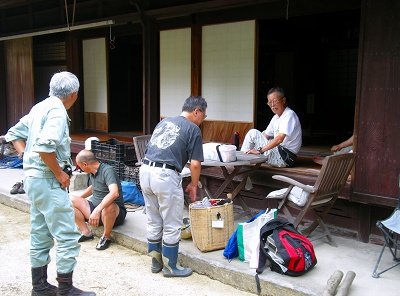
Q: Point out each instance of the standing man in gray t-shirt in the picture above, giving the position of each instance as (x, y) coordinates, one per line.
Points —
(174, 142)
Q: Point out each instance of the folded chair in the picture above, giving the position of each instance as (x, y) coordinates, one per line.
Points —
(140, 144)
(333, 176)
(390, 229)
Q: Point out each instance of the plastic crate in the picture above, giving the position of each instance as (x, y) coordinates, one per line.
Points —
(126, 171)
(122, 152)
(130, 172)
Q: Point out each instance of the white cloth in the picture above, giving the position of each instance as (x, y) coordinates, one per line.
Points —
(348, 149)
(185, 172)
(297, 195)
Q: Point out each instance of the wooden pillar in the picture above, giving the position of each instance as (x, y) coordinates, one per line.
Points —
(365, 223)
(73, 49)
(151, 95)
(196, 58)
(3, 97)
(18, 54)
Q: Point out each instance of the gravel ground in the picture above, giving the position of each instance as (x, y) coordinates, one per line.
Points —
(115, 271)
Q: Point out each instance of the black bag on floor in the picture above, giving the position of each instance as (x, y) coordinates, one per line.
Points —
(287, 250)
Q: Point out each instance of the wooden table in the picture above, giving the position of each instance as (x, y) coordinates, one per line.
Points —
(252, 161)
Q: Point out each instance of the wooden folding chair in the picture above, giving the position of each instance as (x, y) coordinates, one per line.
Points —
(140, 144)
(330, 181)
(390, 229)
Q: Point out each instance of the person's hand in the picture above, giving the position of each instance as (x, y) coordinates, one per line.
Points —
(335, 148)
(192, 191)
(94, 218)
(252, 151)
(64, 179)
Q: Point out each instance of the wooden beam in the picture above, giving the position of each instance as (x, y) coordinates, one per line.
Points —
(13, 3)
(181, 10)
(374, 199)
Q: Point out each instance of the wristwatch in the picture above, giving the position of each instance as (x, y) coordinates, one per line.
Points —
(260, 149)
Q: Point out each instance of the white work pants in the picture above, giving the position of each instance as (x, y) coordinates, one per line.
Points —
(255, 139)
(164, 199)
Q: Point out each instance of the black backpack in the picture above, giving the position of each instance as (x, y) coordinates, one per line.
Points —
(287, 250)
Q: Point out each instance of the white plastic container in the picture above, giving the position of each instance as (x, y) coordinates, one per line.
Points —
(227, 152)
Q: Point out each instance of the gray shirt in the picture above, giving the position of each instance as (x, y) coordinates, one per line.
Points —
(105, 176)
(175, 141)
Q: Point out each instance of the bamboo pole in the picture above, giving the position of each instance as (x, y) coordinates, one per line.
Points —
(333, 283)
(345, 286)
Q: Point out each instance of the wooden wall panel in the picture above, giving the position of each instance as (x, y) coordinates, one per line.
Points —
(96, 121)
(19, 78)
(378, 104)
(221, 131)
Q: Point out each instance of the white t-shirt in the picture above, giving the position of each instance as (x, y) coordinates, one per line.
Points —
(289, 124)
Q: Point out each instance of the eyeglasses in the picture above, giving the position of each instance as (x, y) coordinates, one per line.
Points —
(273, 102)
(205, 115)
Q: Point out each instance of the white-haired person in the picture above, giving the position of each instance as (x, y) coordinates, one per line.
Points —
(282, 139)
(42, 136)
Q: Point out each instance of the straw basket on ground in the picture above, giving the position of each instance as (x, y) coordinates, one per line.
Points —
(212, 226)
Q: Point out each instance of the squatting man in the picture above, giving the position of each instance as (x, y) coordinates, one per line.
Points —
(101, 203)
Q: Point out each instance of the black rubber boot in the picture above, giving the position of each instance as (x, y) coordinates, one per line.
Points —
(40, 284)
(65, 286)
(154, 249)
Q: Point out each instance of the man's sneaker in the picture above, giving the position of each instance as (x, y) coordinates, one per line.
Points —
(84, 238)
(103, 244)
(15, 188)
(21, 188)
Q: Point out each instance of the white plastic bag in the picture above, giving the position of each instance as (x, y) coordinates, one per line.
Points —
(249, 236)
